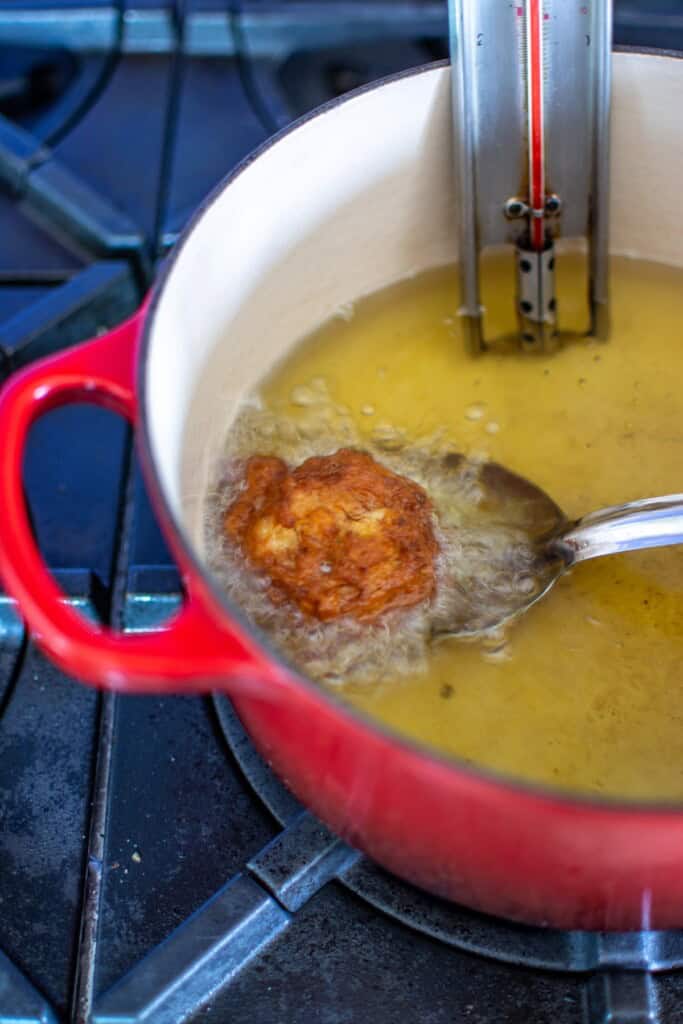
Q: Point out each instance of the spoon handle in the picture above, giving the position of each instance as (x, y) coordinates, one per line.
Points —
(649, 523)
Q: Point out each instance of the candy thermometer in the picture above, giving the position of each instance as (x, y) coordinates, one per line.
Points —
(531, 98)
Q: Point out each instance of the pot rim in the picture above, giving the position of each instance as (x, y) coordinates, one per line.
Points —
(175, 529)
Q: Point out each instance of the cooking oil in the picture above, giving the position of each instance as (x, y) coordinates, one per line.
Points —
(585, 692)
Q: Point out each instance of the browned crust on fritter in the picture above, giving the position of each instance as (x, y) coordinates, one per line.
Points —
(338, 535)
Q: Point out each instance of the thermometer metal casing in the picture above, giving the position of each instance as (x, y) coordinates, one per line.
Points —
(531, 96)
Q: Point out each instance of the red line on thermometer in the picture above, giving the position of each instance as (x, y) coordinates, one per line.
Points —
(534, 27)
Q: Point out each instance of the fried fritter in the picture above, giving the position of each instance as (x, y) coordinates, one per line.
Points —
(338, 535)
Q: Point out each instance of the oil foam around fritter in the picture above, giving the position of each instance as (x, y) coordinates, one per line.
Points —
(480, 567)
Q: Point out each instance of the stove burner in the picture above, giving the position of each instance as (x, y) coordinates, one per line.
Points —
(470, 931)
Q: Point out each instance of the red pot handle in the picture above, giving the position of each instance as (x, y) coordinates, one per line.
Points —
(197, 651)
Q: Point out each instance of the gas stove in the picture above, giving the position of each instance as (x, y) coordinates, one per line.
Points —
(151, 867)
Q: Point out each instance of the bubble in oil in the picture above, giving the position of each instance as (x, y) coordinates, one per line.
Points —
(526, 585)
(495, 645)
(388, 438)
(475, 411)
(496, 654)
(303, 396)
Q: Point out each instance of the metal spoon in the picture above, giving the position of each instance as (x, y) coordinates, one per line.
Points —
(515, 542)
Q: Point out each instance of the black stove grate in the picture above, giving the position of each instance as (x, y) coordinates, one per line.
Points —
(151, 867)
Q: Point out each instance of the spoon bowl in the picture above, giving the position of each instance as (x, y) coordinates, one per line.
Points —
(515, 542)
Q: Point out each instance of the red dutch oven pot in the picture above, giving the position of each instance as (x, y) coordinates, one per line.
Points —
(348, 200)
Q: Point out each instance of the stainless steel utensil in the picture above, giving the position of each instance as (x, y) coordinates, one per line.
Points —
(516, 543)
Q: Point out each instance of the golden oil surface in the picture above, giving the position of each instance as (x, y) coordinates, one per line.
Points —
(587, 692)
